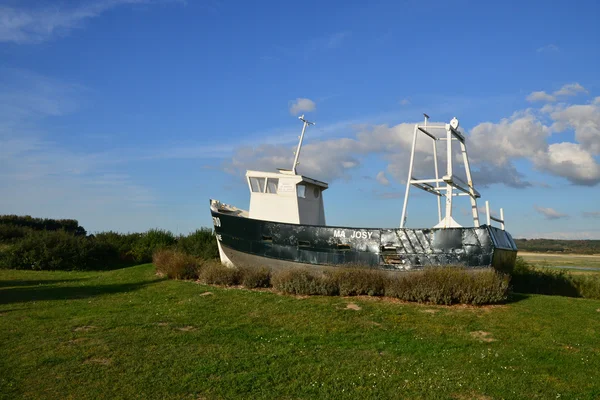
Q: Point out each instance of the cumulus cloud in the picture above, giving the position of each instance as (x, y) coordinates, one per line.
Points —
(570, 89)
(591, 214)
(485, 174)
(540, 96)
(382, 179)
(302, 105)
(520, 136)
(495, 148)
(571, 161)
(549, 213)
(584, 119)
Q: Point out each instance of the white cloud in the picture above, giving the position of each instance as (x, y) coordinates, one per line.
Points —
(524, 136)
(302, 105)
(494, 147)
(549, 48)
(571, 161)
(520, 136)
(540, 96)
(382, 179)
(20, 25)
(570, 89)
(591, 214)
(24, 95)
(549, 213)
(585, 120)
(485, 174)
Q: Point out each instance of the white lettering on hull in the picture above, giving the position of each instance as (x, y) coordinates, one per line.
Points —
(361, 235)
(338, 233)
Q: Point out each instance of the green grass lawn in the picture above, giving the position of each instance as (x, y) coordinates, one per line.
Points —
(128, 334)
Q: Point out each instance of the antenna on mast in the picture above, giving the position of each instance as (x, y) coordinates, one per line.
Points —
(301, 137)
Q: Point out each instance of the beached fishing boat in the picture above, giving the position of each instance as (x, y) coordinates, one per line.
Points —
(285, 222)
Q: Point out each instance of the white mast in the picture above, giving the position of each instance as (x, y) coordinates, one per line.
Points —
(301, 137)
(454, 186)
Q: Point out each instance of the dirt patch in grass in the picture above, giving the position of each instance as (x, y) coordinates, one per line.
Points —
(483, 336)
(570, 348)
(206, 294)
(85, 328)
(188, 328)
(162, 323)
(430, 311)
(100, 361)
(353, 306)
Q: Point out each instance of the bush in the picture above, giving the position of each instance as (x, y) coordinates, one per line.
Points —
(304, 282)
(52, 250)
(449, 285)
(123, 243)
(588, 286)
(201, 243)
(437, 285)
(44, 224)
(12, 233)
(214, 273)
(147, 243)
(255, 277)
(528, 279)
(357, 282)
(175, 264)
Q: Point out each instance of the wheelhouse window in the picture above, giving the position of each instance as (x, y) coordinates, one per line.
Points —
(301, 191)
(272, 184)
(257, 184)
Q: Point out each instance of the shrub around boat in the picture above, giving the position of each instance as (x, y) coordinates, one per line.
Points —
(436, 285)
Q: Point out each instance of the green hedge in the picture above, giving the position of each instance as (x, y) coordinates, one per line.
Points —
(25, 245)
(43, 224)
(50, 250)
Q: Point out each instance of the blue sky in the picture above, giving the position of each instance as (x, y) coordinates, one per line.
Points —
(129, 115)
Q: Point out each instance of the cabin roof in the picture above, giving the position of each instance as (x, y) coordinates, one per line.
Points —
(286, 174)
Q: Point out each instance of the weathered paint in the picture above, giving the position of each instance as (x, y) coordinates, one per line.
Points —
(393, 249)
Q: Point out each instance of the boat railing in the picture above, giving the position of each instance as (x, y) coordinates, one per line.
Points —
(491, 218)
